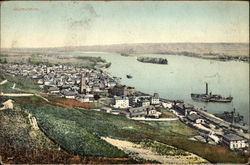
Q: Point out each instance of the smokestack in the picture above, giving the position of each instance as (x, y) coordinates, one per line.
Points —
(233, 116)
(206, 88)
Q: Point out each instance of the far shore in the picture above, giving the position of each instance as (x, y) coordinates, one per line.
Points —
(210, 51)
(216, 57)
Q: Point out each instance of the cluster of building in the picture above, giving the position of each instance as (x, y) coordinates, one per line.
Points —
(212, 129)
(65, 81)
(84, 85)
(137, 105)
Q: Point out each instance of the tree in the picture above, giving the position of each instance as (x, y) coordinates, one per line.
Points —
(96, 97)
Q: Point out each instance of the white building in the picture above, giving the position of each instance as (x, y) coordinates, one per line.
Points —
(144, 103)
(40, 82)
(121, 102)
(167, 105)
(47, 83)
(154, 113)
(234, 142)
(54, 90)
(155, 99)
(88, 98)
(70, 95)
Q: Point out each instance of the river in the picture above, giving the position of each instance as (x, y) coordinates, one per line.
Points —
(184, 75)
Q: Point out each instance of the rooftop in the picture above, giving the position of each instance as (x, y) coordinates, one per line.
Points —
(193, 117)
(121, 98)
(232, 137)
(139, 109)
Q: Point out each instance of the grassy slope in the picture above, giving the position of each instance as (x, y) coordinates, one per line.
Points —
(18, 140)
(19, 143)
(93, 124)
(21, 83)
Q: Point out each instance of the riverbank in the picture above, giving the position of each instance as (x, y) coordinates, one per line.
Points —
(211, 56)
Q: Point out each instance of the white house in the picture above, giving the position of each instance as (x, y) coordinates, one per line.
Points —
(121, 102)
(234, 142)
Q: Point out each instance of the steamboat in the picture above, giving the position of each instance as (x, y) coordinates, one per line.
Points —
(210, 97)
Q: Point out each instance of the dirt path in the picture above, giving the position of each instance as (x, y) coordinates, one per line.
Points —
(3, 82)
(42, 97)
(135, 150)
(16, 94)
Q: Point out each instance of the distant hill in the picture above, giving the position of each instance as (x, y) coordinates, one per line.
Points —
(189, 49)
(229, 49)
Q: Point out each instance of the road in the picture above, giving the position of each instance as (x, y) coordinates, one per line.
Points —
(150, 119)
(16, 94)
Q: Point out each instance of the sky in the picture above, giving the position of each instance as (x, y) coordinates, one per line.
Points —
(65, 23)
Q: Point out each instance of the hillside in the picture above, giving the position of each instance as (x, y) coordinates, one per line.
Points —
(68, 127)
(21, 143)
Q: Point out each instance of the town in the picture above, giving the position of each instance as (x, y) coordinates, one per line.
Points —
(89, 85)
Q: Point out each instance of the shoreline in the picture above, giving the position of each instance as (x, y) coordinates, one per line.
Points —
(197, 108)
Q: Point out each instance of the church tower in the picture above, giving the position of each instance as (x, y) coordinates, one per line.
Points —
(83, 85)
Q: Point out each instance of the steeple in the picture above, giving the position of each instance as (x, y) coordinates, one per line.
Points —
(83, 85)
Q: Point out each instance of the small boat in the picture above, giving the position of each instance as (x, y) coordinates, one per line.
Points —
(210, 97)
(129, 76)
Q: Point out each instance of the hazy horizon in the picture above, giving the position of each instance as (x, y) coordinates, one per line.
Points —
(54, 24)
(130, 44)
